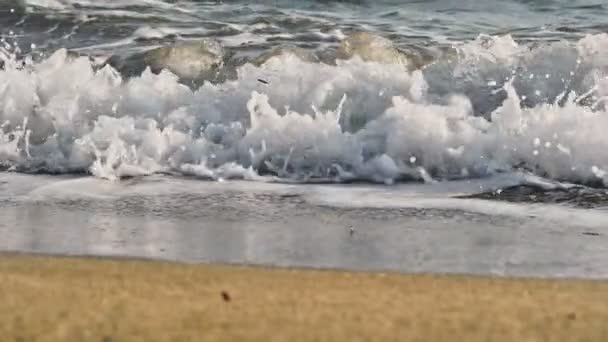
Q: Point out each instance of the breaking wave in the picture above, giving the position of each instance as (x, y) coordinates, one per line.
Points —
(486, 107)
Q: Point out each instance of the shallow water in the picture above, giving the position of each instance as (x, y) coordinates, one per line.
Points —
(409, 228)
(481, 124)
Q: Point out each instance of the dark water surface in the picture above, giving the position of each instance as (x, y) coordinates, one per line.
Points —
(262, 24)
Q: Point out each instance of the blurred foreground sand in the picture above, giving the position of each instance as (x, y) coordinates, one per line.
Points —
(90, 299)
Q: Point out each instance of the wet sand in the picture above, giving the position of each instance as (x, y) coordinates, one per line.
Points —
(91, 299)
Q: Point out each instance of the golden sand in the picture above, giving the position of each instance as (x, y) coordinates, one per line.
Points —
(88, 299)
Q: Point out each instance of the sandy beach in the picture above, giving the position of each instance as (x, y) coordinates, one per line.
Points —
(91, 299)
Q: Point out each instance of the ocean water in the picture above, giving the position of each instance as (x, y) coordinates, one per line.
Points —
(472, 131)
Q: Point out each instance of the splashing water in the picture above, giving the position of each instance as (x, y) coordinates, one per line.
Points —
(494, 106)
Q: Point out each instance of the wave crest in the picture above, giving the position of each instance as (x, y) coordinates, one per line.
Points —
(495, 106)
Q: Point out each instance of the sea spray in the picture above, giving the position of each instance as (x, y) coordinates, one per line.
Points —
(482, 111)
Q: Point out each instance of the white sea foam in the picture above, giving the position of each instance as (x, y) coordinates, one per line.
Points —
(116, 4)
(353, 120)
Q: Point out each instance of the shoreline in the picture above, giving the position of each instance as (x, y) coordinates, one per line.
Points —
(298, 268)
(59, 298)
